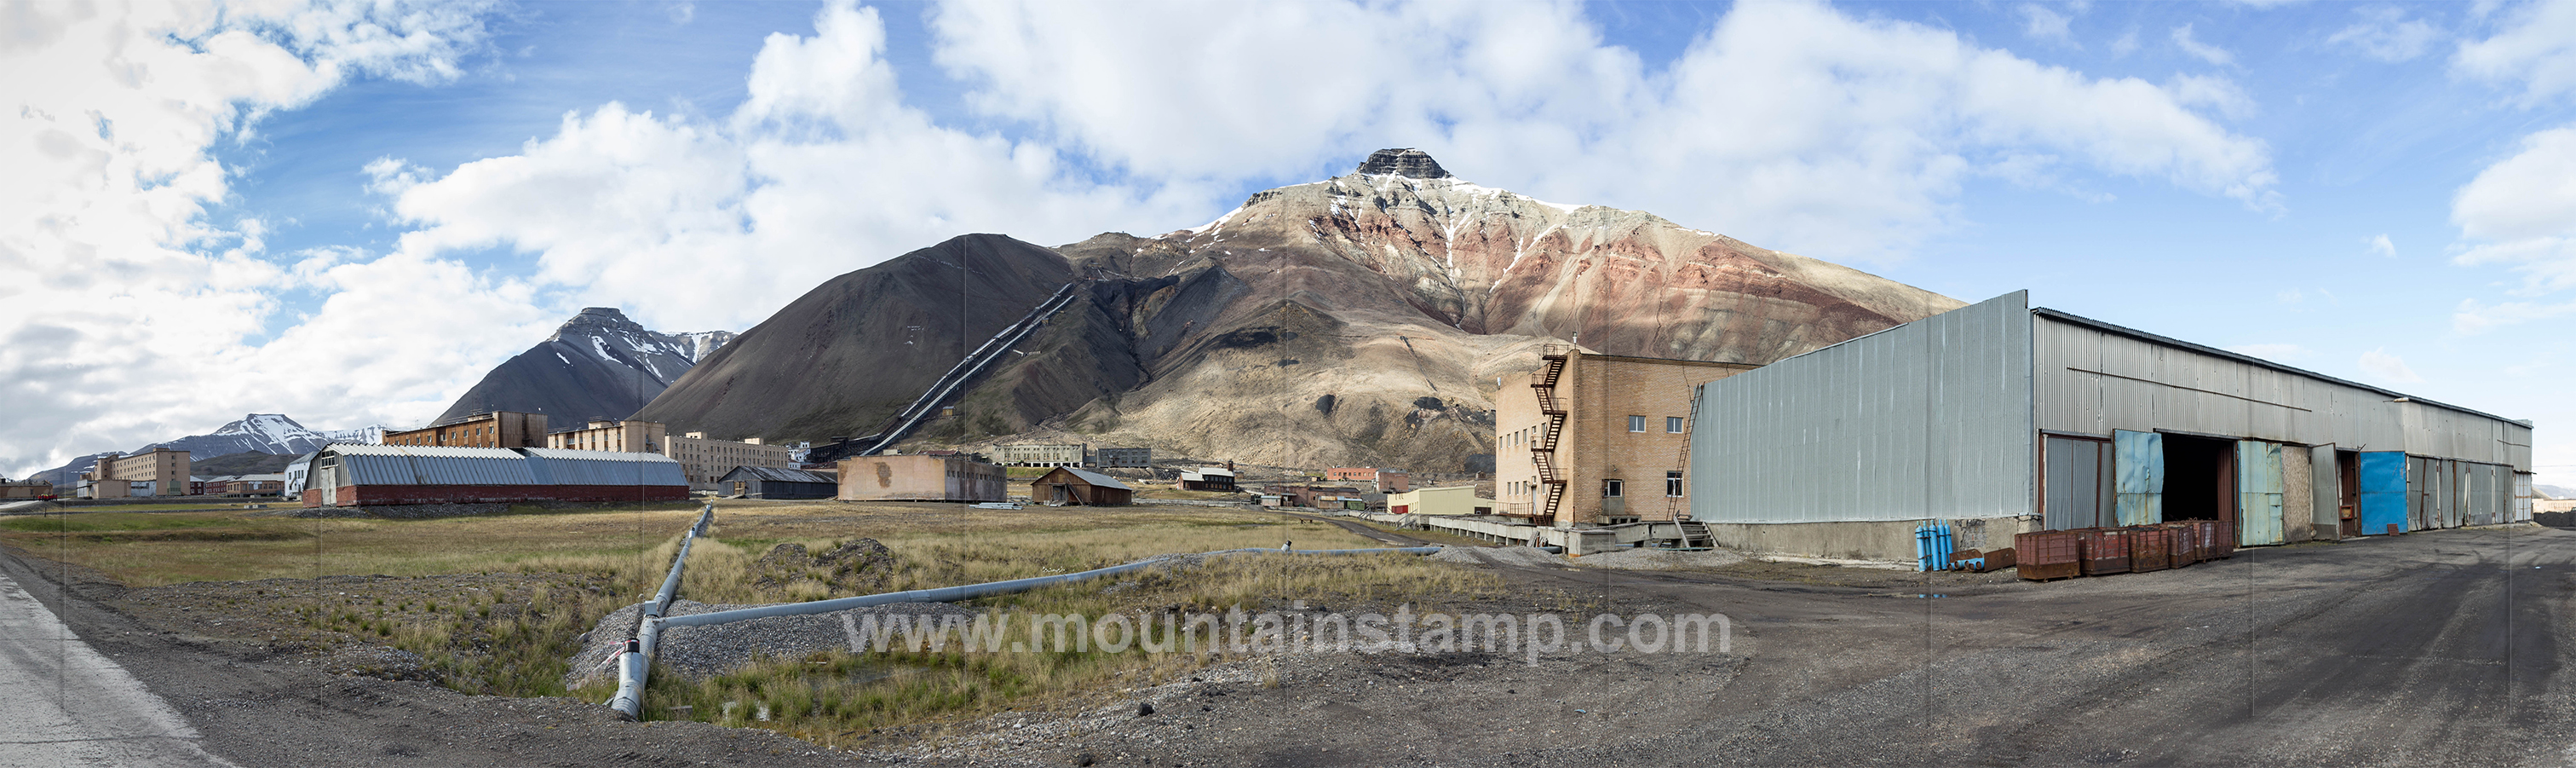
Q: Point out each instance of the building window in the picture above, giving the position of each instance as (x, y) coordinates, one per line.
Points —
(1636, 423)
(1673, 484)
(1672, 425)
(1611, 489)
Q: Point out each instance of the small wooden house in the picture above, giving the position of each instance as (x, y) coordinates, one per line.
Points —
(1066, 485)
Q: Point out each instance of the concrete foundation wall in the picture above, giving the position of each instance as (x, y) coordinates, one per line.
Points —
(1862, 540)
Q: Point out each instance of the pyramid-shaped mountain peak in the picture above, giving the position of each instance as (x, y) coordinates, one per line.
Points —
(1408, 162)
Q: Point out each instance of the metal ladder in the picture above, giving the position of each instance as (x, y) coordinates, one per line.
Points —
(1673, 504)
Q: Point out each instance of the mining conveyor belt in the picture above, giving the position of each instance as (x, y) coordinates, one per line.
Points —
(974, 363)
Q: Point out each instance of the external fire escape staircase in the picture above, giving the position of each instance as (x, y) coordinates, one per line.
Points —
(1551, 472)
(966, 369)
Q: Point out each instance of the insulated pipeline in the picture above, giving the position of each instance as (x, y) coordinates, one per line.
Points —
(635, 662)
(973, 591)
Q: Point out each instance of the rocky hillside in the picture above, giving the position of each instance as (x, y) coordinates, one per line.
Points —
(1364, 319)
(1359, 320)
(845, 356)
(599, 365)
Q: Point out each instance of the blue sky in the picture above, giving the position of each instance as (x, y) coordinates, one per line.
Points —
(2359, 189)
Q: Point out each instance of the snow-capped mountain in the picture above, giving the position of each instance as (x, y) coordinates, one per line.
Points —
(599, 365)
(269, 433)
(258, 432)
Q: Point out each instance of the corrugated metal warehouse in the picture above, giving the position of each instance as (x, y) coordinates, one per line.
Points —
(776, 483)
(2002, 418)
(372, 475)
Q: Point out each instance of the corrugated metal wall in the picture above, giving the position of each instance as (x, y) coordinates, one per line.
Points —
(1930, 419)
(2093, 381)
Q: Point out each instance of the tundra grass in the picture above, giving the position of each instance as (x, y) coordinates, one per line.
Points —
(516, 640)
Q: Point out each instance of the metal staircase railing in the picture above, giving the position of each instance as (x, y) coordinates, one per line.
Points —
(1543, 449)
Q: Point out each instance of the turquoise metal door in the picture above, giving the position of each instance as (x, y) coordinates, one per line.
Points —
(2138, 464)
(2258, 486)
(2383, 492)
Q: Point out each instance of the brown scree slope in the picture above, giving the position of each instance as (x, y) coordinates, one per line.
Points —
(1360, 320)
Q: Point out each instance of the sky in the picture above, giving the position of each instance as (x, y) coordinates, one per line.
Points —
(348, 212)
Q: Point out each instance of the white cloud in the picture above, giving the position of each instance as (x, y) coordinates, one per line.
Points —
(1829, 135)
(2387, 35)
(2521, 212)
(1790, 125)
(2275, 352)
(2535, 49)
(127, 310)
(2380, 245)
(2041, 23)
(2126, 44)
(822, 170)
(2183, 39)
(2387, 367)
(2475, 317)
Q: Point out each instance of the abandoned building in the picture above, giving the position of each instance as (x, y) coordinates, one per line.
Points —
(2003, 418)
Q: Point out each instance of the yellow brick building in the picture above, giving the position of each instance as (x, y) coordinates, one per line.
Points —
(1597, 439)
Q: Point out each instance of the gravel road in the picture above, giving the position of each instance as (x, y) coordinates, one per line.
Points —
(2435, 648)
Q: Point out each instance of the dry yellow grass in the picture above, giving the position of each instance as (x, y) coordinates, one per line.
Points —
(628, 551)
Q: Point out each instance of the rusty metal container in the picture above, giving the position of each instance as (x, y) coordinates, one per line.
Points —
(2185, 544)
(2047, 555)
(2150, 548)
(2103, 550)
(2000, 559)
(2216, 541)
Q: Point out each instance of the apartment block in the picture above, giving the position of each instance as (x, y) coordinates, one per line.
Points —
(498, 429)
(706, 460)
(620, 436)
(1041, 455)
(703, 460)
(166, 469)
(1597, 439)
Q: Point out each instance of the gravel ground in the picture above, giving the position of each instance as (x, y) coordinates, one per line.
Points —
(1660, 559)
(1525, 557)
(706, 651)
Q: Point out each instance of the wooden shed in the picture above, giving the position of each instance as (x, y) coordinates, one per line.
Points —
(1066, 485)
(776, 483)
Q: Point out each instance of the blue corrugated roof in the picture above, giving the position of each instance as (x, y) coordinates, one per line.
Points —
(563, 466)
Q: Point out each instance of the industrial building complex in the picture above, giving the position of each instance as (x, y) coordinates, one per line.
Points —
(2000, 418)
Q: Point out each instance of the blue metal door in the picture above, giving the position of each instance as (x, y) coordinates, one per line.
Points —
(2258, 483)
(2138, 464)
(2383, 492)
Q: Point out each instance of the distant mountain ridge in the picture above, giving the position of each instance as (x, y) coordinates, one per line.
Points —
(598, 365)
(271, 433)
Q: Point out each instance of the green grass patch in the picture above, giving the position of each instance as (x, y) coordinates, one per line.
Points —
(118, 521)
